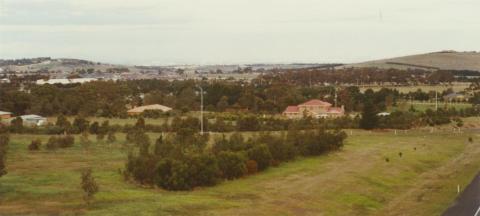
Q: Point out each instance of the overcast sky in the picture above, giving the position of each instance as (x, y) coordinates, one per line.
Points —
(159, 32)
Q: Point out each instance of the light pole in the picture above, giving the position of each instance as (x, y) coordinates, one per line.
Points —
(201, 109)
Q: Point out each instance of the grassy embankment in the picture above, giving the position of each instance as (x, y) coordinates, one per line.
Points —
(354, 181)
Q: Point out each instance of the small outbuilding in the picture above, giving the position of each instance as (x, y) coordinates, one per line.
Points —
(454, 97)
(5, 115)
(33, 120)
(139, 110)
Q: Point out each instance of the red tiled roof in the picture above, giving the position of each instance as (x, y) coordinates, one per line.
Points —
(292, 109)
(316, 102)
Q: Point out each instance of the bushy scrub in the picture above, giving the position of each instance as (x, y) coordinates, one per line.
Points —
(181, 161)
(55, 142)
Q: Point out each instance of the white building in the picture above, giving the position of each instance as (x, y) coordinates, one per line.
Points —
(33, 120)
(65, 81)
(383, 114)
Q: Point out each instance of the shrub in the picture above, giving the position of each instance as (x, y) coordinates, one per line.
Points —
(252, 167)
(88, 185)
(84, 140)
(4, 140)
(261, 155)
(55, 142)
(63, 123)
(232, 164)
(204, 169)
(140, 124)
(100, 136)
(16, 126)
(111, 137)
(280, 149)
(35, 145)
(52, 143)
(80, 125)
(94, 128)
(65, 141)
(141, 168)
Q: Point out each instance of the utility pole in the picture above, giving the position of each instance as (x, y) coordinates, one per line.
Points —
(201, 109)
(335, 89)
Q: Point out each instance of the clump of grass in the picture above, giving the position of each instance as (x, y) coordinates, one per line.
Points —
(387, 159)
(470, 139)
(400, 154)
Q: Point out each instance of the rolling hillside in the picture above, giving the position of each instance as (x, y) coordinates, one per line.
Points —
(445, 60)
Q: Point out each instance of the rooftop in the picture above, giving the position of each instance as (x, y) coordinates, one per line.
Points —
(150, 107)
(292, 109)
(315, 102)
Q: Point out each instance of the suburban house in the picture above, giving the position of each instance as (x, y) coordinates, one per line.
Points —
(5, 115)
(455, 97)
(139, 110)
(314, 108)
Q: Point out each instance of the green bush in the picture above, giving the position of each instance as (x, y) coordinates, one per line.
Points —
(182, 161)
(35, 145)
(4, 140)
(232, 164)
(55, 142)
(261, 155)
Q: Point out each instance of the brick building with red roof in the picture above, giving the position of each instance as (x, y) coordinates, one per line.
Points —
(314, 108)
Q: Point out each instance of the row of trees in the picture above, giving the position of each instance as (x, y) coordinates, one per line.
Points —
(229, 122)
(410, 119)
(359, 76)
(269, 94)
(181, 161)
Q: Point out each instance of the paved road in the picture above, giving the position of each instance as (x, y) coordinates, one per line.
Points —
(468, 203)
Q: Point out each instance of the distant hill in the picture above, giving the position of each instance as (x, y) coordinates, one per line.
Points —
(444, 60)
(67, 66)
(50, 64)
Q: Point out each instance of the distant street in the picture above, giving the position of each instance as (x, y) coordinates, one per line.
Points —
(468, 203)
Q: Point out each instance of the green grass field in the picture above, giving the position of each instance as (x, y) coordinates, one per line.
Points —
(422, 106)
(354, 181)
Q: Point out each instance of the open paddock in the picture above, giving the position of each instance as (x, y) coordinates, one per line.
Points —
(357, 180)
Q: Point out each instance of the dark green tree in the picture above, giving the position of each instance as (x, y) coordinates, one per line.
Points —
(17, 125)
(4, 140)
(80, 125)
(369, 118)
(222, 104)
(63, 122)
